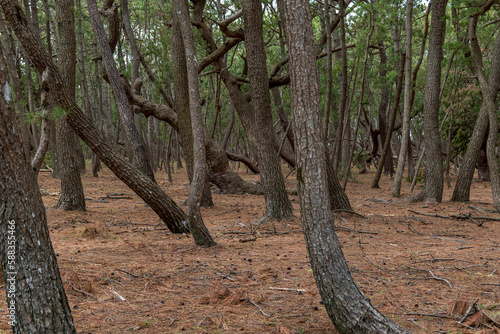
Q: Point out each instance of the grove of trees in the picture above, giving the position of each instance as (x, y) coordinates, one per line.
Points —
(322, 89)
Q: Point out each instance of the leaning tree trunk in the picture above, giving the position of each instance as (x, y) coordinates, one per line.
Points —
(124, 109)
(278, 205)
(198, 229)
(36, 299)
(433, 191)
(72, 196)
(348, 308)
(154, 196)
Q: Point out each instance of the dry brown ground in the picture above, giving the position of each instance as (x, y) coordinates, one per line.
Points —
(172, 286)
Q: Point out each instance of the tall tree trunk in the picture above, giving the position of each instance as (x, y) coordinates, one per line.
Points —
(462, 187)
(36, 299)
(489, 90)
(349, 310)
(433, 191)
(398, 178)
(143, 186)
(198, 229)
(278, 205)
(124, 109)
(383, 107)
(344, 91)
(72, 196)
(182, 108)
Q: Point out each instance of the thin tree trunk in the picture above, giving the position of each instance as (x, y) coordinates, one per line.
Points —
(387, 143)
(398, 177)
(361, 95)
(344, 91)
(198, 229)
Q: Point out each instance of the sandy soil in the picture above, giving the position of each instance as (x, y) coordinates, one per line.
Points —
(411, 266)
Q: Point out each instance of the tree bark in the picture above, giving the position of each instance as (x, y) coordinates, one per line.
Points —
(382, 110)
(143, 186)
(72, 196)
(488, 92)
(433, 191)
(35, 292)
(182, 106)
(278, 205)
(198, 229)
(349, 310)
(462, 187)
(398, 177)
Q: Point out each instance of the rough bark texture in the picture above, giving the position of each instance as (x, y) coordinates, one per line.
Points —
(348, 308)
(382, 109)
(434, 157)
(462, 187)
(124, 109)
(28, 261)
(154, 196)
(489, 89)
(72, 196)
(398, 177)
(181, 105)
(278, 205)
(198, 229)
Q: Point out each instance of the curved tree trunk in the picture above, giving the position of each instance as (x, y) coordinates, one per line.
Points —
(278, 205)
(35, 292)
(462, 187)
(349, 310)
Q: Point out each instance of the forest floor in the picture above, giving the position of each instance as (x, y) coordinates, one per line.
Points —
(414, 268)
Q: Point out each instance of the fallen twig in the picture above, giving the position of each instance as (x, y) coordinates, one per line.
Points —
(430, 315)
(82, 291)
(110, 223)
(260, 308)
(226, 277)
(288, 289)
(428, 214)
(128, 273)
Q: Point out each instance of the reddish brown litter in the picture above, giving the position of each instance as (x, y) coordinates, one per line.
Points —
(409, 265)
